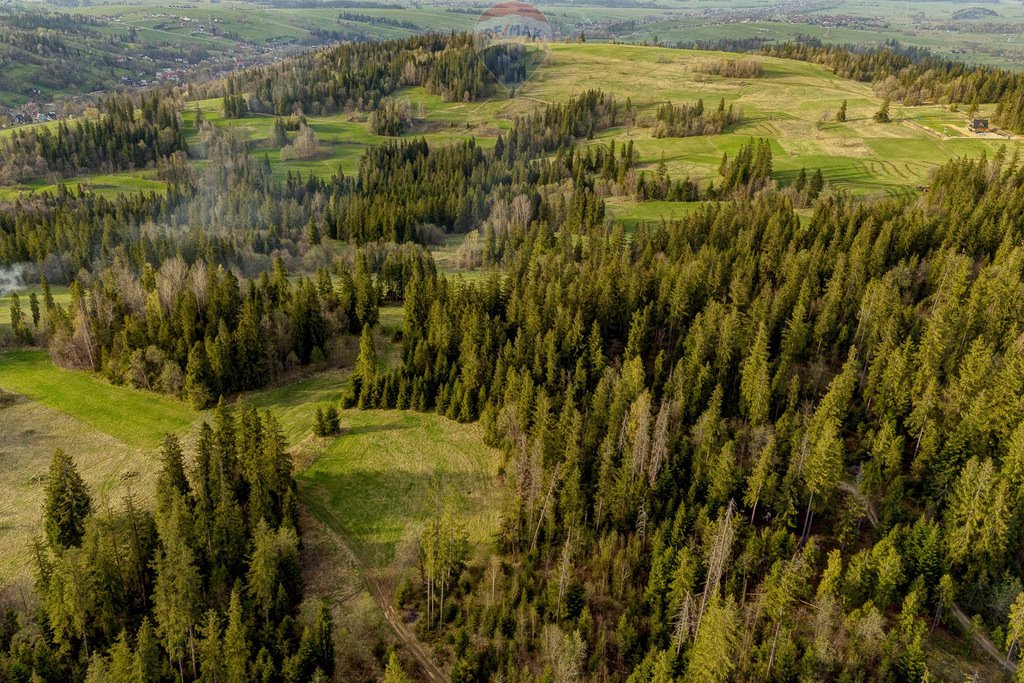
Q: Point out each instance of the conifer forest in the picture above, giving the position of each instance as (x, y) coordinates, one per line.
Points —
(396, 357)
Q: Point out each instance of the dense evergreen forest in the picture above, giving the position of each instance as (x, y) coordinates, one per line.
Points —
(206, 587)
(119, 139)
(734, 430)
(749, 445)
(357, 76)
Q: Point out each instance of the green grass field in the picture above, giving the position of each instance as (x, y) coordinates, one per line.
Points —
(138, 419)
(112, 432)
(381, 479)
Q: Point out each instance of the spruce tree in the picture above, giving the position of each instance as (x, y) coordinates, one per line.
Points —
(332, 422)
(319, 425)
(882, 115)
(67, 502)
(815, 185)
(365, 372)
(755, 385)
(198, 377)
(236, 643)
(393, 672)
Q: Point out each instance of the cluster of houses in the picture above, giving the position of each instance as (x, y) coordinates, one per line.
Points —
(20, 118)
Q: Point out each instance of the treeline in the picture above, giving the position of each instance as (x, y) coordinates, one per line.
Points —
(205, 588)
(123, 137)
(747, 173)
(733, 68)
(559, 125)
(691, 120)
(196, 332)
(734, 429)
(375, 20)
(358, 76)
(916, 77)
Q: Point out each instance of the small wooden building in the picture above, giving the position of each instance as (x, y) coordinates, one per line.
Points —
(979, 125)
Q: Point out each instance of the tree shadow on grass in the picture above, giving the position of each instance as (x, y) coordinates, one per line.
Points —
(392, 426)
(376, 510)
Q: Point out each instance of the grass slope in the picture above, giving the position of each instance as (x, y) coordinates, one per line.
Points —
(138, 419)
(380, 480)
(29, 433)
(112, 432)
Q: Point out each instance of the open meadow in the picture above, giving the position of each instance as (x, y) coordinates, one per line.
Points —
(112, 432)
(792, 104)
(391, 471)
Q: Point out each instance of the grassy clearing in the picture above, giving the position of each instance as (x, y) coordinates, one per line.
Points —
(374, 482)
(377, 482)
(29, 433)
(139, 419)
(446, 257)
(61, 296)
(632, 213)
(107, 185)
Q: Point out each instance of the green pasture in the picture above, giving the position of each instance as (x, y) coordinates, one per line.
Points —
(388, 472)
(793, 104)
(139, 419)
(112, 433)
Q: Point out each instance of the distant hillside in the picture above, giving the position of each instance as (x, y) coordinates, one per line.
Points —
(975, 13)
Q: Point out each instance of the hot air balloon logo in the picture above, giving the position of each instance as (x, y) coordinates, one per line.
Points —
(512, 39)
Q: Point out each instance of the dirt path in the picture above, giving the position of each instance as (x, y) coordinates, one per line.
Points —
(381, 592)
(980, 639)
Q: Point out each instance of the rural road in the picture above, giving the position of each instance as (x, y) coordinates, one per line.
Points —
(381, 594)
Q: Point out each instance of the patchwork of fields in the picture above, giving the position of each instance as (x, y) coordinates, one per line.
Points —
(384, 476)
(792, 104)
